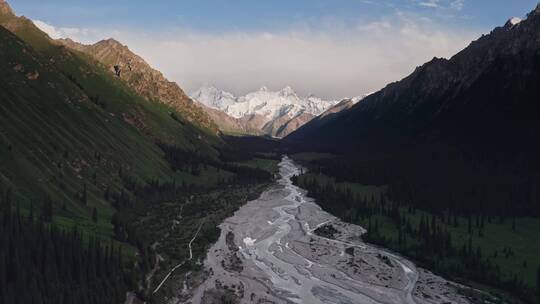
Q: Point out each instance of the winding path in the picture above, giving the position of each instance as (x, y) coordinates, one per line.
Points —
(182, 263)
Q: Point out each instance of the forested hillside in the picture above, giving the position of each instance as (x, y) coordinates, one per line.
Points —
(81, 150)
(42, 264)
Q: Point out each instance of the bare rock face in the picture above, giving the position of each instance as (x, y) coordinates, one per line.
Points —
(342, 106)
(231, 124)
(5, 9)
(293, 124)
(32, 75)
(141, 77)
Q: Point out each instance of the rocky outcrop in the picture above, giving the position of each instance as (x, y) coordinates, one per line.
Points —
(5, 9)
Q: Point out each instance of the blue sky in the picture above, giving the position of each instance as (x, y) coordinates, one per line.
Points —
(223, 15)
(332, 48)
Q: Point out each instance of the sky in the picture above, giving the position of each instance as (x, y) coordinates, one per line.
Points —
(330, 48)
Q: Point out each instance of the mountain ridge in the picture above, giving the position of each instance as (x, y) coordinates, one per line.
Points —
(144, 79)
(431, 94)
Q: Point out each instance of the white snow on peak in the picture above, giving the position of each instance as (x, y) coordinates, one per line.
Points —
(515, 20)
(357, 99)
(287, 91)
(264, 102)
(213, 97)
(512, 23)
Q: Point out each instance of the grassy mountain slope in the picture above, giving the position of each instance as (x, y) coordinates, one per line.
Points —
(67, 124)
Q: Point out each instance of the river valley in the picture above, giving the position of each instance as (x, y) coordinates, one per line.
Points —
(268, 252)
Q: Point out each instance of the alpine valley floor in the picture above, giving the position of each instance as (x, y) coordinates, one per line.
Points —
(269, 252)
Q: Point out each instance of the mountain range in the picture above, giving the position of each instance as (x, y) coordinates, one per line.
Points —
(274, 113)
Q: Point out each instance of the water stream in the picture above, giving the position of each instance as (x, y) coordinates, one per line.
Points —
(283, 261)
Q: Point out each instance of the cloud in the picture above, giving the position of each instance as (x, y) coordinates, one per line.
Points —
(52, 31)
(442, 4)
(83, 35)
(334, 62)
(430, 3)
(457, 4)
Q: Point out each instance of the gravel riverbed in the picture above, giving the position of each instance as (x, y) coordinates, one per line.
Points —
(268, 253)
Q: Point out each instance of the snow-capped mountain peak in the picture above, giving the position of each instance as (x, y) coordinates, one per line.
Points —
(214, 97)
(287, 91)
(515, 20)
(512, 22)
(272, 109)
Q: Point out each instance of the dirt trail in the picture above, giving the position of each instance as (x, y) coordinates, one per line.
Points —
(180, 264)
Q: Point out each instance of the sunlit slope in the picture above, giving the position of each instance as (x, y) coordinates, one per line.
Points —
(119, 60)
(66, 123)
(54, 138)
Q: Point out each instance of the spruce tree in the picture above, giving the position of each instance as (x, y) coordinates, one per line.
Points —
(69, 270)
(538, 285)
(84, 198)
(47, 210)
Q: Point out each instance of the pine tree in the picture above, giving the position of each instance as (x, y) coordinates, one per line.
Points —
(7, 202)
(107, 193)
(31, 213)
(538, 285)
(94, 215)
(70, 269)
(47, 210)
(84, 198)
